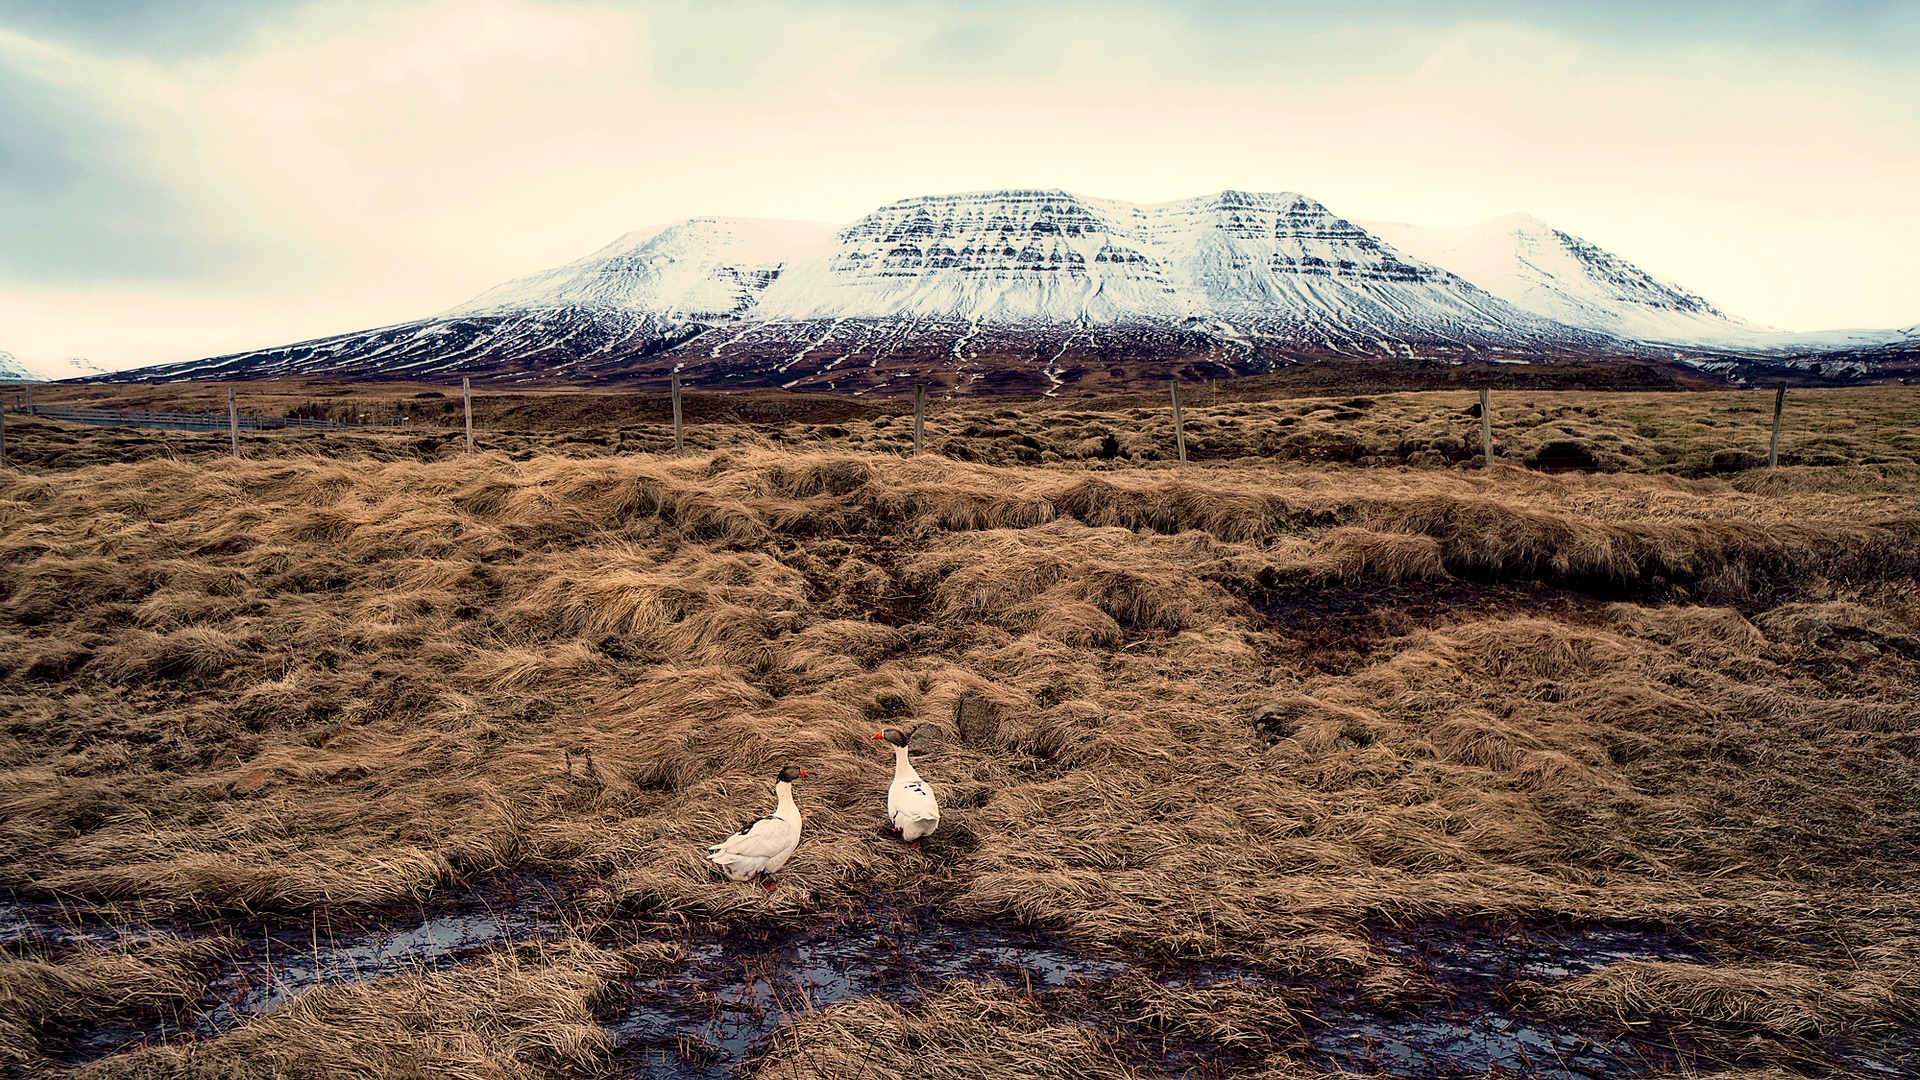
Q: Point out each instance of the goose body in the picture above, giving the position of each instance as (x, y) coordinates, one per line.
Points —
(762, 847)
(912, 809)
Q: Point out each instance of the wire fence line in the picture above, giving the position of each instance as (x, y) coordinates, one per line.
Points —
(236, 421)
(176, 421)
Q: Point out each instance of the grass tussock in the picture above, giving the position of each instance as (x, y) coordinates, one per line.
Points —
(41, 995)
(527, 1012)
(967, 1030)
(1785, 999)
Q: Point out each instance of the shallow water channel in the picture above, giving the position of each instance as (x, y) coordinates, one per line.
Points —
(719, 1009)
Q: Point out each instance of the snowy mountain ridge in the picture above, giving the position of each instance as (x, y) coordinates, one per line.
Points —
(14, 369)
(1558, 276)
(1037, 290)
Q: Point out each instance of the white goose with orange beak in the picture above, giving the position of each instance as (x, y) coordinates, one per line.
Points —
(911, 808)
(762, 847)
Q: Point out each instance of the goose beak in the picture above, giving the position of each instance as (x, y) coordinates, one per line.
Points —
(879, 734)
(804, 774)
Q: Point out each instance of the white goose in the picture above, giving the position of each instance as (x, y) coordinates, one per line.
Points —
(911, 808)
(762, 847)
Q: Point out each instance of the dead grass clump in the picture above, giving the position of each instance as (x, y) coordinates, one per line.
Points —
(1785, 999)
(525, 1012)
(804, 478)
(230, 882)
(1364, 555)
(195, 653)
(965, 1031)
(51, 586)
(1537, 649)
(1172, 506)
(1319, 726)
(1722, 631)
(41, 996)
(1234, 1016)
(1476, 738)
(1020, 579)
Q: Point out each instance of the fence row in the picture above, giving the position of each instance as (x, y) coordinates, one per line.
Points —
(235, 421)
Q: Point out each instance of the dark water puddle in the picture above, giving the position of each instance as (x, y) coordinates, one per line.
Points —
(51, 925)
(719, 1009)
(269, 962)
(735, 990)
(1338, 627)
(278, 961)
(1474, 1029)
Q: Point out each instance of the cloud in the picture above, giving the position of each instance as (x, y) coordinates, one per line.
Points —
(100, 179)
(394, 159)
(148, 28)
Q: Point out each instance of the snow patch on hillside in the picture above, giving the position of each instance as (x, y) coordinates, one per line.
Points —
(1556, 275)
(701, 268)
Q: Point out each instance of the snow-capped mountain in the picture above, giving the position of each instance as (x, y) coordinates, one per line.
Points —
(1015, 287)
(1540, 269)
(1055, 259)
(14, 369)
(702, 268)
(1029, 290)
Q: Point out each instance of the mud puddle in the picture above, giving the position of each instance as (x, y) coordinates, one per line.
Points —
(718, 1011)
(1474, 1030)
(267, 963)
(722, 1008)
(278, 961)
(1338, 628)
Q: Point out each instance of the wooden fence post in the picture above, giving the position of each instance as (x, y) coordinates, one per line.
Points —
(31, 411)
(1773, 444)
(466, 394)
(919, 417)
(1486, 425)
(233, 419)
(1179, 425)
(3, 434)
(679, 438)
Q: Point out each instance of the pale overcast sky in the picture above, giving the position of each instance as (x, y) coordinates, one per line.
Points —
(185, 177)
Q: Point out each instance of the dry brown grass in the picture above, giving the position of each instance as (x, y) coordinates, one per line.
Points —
(298, 682)
(1861, 433)
(1776, 998)
(42, 995)
(966, 1031)
(526, 1012)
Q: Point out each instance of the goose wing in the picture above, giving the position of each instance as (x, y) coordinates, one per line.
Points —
(762, 839)
(912, 800)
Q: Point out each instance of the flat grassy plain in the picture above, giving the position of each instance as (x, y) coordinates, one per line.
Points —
(1329, 685)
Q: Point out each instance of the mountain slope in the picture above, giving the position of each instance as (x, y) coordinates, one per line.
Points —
(12, 370)
(1558, 276)
(1272, 263)
(1036, 291)
(702, 268)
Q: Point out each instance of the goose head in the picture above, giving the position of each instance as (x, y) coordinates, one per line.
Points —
(789, 774)
(892, 735)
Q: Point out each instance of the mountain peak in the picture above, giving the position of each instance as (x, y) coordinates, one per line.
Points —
(1559, 276)
(1517, 222)
(698, 267)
